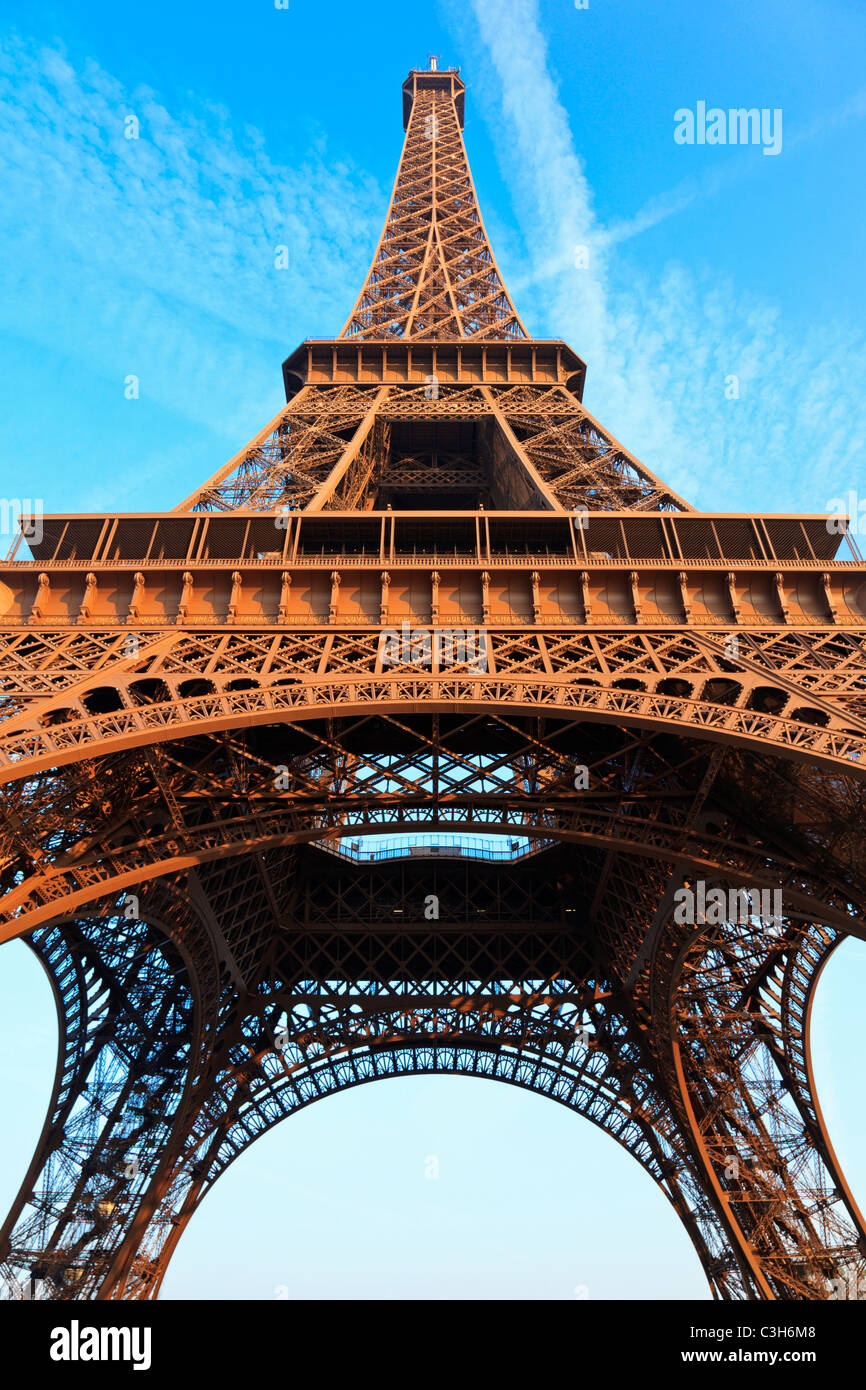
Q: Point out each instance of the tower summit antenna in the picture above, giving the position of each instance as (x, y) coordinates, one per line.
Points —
(433, 59)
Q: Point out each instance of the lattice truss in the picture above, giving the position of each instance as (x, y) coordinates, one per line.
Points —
(583, 465)
(433, 274)
(444, 468)
(286, 467)
(242, 984)
(331, 446)
(66, 692)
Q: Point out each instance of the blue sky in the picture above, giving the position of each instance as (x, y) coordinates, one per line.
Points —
(155, 258)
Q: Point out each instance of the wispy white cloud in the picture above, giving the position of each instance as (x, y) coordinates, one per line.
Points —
(689, 191)
(664, 205)
(156, 256)
(660, 351)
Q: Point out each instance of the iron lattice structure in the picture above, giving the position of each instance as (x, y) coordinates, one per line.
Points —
(422, 597)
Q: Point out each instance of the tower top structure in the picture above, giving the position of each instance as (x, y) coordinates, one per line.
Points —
(434, 274)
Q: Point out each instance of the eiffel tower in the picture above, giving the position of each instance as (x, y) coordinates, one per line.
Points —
(433, 733)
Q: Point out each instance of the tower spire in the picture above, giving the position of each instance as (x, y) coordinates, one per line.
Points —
(434, 274)
(434, 338)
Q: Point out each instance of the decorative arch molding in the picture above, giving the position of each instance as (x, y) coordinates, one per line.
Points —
(541, 1074)
(26, 752)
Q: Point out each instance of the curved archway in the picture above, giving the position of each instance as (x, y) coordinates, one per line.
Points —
(364, 995)
(301, 778)
(349, 1201)
(824, 736)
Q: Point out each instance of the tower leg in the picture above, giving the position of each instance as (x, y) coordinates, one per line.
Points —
(738, 1063)
(131, 1008)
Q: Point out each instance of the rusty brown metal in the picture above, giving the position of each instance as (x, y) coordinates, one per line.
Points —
(432, 598)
